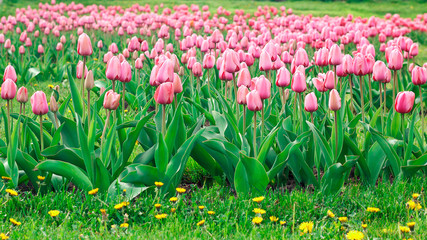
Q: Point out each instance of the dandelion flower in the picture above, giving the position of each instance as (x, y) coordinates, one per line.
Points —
(6, 178)
(415, 196)
(257, 220)
(330, 214)
(173, 199)
(41, 178)
(173, 210)
(102, 211)
(180, 190)
(12, 192)
(158, 205)
(53, 213)
(118, 206)
(404, 229)
(14, 222)
(282, 223)
(364, 225)
(158, 184)
(343, 219)
(211, 212)
(201, 208)
(258, 199)
(306, 227)
(411, 225)
(413, 205)
(354, 235)
(201, 223)
(372, 209)
(50, 86)
(124, 225)
(3, 236)
(125, 204)
(93, 191)
(258, 211)
(274, 219)
(161, 216)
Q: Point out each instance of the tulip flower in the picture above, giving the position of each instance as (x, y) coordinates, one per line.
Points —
(9, 73)
(84, 45)
(419, 77)
(242, 92)
(111, 103)
(89, 84)
(8, 92)
(164, 95)
(404, 103)
(335, 105)
(360, 68)
(39, 107)
(330, 80)
(244, 78)
(310, 104)
(112, 71)
(125, 77)
(265, 63)
(254, 103)
(197, 72)
(395, 63)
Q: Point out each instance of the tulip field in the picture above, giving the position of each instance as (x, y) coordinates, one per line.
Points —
(160, 119)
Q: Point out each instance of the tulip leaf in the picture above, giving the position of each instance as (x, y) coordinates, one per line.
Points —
(75, 95)
(250, 176)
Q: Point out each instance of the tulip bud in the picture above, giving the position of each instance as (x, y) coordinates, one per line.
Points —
(177, 85)
(112, 71)
(111, 100)
(39, 103)
(419, 75)
(79, 70)
(22, 95)
(310, 102)
(263, 87)
(89, 82)
(241, 95)
(253, 100)
(244, 78)
(53, 105)
(334, 100)
(8, 89)
(298, 82)
(164, 93)
(286, 94)
(330, 80)
(197, 69)
(84, 45)
(101, 90)
(125, 72)
(181, 71)
(404, 102)
(10, 73)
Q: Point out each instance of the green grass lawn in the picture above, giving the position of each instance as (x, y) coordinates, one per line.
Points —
(80, 215)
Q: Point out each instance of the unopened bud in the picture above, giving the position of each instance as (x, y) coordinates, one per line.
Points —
(89, 82)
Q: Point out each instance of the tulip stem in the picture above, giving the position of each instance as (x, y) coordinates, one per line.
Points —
(244, 120)
(235, 97)
(362, 98)
(403, 134)
(198, 84)
(284, 101)
(114, 85)
(351, 93)
(422, 115)
(209, 87)
(382, 114)
(370, 90)
(336, 136)
(8, 118)
(394, 84)
(385, 97)
(191, 85)
(295, 110)
(137, 78)
(83, 76)
(163, 119)
(88, 107)
(262, 120)
(41, 132)
(311, 115)
(107, 122)
(336, 77)
(123, 101)
(254, 141)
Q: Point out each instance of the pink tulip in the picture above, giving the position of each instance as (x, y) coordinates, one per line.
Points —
(335, 57)
(111, 100)
(265, 63)
(231, 60)
(208, 61)
(113, 48)
(413, 51)
(298, 82)
(165, 73)
(321, 57)
(395, 60)
(253, 100)
(244, 78)
(59, 47)
(21, 50)
(319, 84)
(39, 103)
(133, 44)
(164, 93)
(9, 73)
(177, 85)
(330, 80)
(334, 100)
(379, 71)
(242, 92)
(40, 49)
(112, 71)
(197, 69)
(138, 63)
(263, 87)
(84, 45)
(125, 72)
(100, 44)
(301, 58)
(283, 78)
(404, 102)
(419, 75)
(22, 95)
(8, 89)
(360, 67)
(310, 103)
(79, 70)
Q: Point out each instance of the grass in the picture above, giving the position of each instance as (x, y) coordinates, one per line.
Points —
(80, 215)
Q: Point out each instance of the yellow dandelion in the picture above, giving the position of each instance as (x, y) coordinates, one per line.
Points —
(173, 210)
(125, 204)
(415, 196)
(158, 205)
(282, 223)
(180, 190)
(124, 225)
(41, 178)
(201, 208)
(50, 86)
(306, 227)
(53, 213)
(124, 190)
(411, 225)
(96, 59)
(384, 230)
(14, 222)
(354, 235)
(161, 216)
(118, 206)
(330, 214)
(257, 220)
(258, 199)
(173, 199)
(35, 85)
(6, 178)
(102, 211)
(12, 192)
(158, 184)
(3, 236)
(201, 223)
(343, 219)
(211, 212)
(413, 205)
(364, 225)
(258, 211)
(372, 209)
(274, 219)
(93, 191)
(404, 229)
(126, 110)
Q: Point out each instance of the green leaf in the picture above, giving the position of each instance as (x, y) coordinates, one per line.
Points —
(267, 143)
(142, 174)
(250, 176)
(12, 149)
(334, 177)
(75, 94)
(161, 157)
(322, 143)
